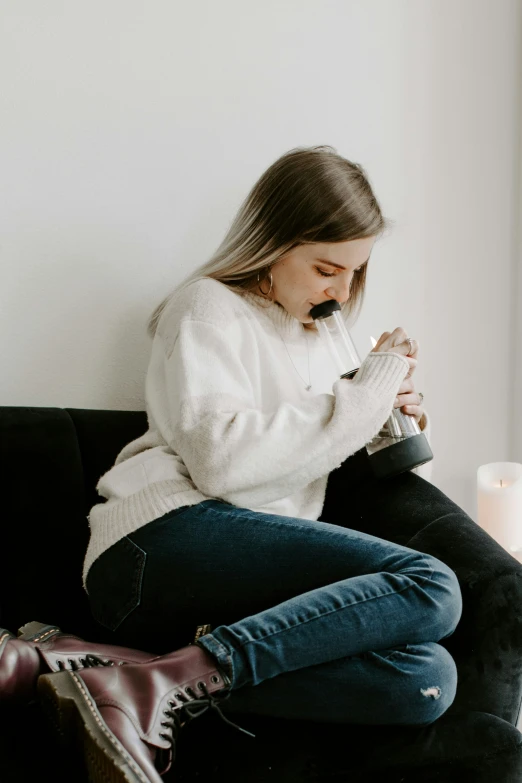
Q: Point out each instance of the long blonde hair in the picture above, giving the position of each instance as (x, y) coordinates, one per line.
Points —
(307, 195)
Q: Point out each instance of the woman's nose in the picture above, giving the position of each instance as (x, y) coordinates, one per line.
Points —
(340, 291)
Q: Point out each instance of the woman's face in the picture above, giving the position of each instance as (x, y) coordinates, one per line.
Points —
(306, 276)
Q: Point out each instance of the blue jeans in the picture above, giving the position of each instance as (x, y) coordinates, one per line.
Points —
(310, 619)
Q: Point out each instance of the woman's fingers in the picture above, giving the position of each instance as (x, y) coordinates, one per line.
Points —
(414, 410)
(406, 387)
(413, 365)
(398, 342)
(402, 400)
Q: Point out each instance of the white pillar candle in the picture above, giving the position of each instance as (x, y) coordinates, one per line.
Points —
(499, 496)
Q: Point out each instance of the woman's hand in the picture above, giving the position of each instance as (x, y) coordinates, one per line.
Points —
(408, 400)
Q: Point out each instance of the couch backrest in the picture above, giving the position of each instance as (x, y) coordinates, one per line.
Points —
(50, 462)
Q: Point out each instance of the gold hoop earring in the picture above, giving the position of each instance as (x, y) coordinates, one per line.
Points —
(271, 282)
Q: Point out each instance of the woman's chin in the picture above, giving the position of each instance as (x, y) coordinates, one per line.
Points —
(302, 315)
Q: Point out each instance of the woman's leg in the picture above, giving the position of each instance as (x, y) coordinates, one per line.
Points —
(311, 620)
(395, 509)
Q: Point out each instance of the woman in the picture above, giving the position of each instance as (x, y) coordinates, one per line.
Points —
(236, 511)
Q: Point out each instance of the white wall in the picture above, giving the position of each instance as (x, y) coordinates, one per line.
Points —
(516, 308)
(130, 133)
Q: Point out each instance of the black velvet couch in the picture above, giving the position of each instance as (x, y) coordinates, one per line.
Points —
(51, 459)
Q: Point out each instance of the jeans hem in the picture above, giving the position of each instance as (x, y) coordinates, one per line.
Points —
(220, 652)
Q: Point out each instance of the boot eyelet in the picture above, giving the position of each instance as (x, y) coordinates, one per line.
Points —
(172, 703)
(214, 679)
(201, 685)
(178, 695)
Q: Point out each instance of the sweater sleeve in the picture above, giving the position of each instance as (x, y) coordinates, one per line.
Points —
(234, 450)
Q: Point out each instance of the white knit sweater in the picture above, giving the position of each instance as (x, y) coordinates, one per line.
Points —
(229, 417)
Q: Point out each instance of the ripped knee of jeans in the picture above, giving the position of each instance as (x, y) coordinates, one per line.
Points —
(433, 691)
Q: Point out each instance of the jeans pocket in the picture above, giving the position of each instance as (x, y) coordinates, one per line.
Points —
(114, 583)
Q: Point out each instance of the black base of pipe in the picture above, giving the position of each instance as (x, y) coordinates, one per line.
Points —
(401, 456)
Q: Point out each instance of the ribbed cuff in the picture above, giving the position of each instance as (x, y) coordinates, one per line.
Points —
(382, 371)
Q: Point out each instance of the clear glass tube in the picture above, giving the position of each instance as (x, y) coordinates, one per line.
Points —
(335, 334)
(337, 337)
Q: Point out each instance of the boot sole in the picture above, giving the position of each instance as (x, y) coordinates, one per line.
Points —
(73, 716)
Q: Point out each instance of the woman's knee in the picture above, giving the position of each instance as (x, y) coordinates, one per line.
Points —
(431, 683)
(450, 601)
(438, 687)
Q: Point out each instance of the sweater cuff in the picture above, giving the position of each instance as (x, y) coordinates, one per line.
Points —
(382, 371)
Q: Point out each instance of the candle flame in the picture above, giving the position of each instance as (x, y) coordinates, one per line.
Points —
(374, 341)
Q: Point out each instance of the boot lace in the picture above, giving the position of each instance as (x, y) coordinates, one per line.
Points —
(75, 664)
(193, 708)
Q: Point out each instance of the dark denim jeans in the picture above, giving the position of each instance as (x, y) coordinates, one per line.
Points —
(311, 619)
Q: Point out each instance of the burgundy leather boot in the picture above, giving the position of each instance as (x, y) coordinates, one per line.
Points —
(41, 648)
(125, 721)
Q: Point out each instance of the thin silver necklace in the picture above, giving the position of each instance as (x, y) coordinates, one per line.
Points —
(309, 386)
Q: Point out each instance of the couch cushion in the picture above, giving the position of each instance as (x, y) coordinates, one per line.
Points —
(50, 460)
